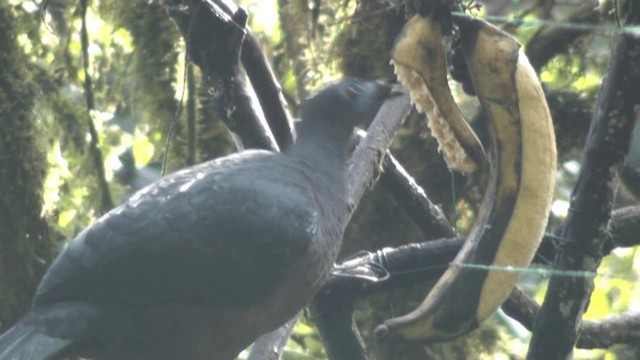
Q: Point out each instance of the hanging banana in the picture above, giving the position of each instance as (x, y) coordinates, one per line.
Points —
(419, 62)
(522, 163)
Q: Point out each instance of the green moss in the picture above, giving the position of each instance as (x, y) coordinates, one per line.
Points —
(363, 45)
(152, 79)
(25, 245)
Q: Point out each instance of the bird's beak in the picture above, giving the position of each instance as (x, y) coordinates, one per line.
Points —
(389, 89)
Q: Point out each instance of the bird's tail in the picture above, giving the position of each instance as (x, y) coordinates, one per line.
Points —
(27, 343)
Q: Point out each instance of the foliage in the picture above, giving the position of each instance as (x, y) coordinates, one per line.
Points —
(24, 236)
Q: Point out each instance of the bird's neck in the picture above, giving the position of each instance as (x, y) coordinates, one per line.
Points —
(322, 151)
(322, 146)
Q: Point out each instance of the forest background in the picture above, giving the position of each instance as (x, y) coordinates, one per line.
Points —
(85, 118)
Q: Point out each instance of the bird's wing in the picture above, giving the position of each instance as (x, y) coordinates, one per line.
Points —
(218, 232)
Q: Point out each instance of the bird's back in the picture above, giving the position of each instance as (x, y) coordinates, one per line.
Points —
(246, 236)
(203, 261)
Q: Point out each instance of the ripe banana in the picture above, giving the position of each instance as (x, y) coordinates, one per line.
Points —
(514, 211)
(419, 62)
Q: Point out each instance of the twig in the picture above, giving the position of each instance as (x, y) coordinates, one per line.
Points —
(191, 116)
(106, 203)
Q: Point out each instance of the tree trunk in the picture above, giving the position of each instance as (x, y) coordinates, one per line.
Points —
(25, 242)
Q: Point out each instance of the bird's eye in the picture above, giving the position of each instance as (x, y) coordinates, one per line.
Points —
(352, 92)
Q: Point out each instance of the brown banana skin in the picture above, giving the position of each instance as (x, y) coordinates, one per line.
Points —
(514, 211)
(418, 58)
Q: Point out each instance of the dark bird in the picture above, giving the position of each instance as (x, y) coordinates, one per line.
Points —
(200, 263)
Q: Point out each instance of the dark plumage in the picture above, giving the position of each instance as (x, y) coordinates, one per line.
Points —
(200, 263)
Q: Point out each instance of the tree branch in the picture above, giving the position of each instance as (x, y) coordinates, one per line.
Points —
(214, 42)
(365, 164)
(263, 81)
(619, 329)
(549, 41)
(333, 315)
(191, 116)
(411, 198)
(106, 203)
(424, 262)
(217, 39)
(584, 233)
(625, 226)
(415, 263)
(268, 90)
(630, 177)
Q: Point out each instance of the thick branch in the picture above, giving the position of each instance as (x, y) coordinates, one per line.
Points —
(366, 160)
(602, 334)
(380, 271)
(411, 264)
(584, 233)
(417, 263)
(630, 177)
(268, 90)
(550, 41)
(27, 244)
(263, 82)
(217, 39)
(214, 42)
(411, 198)
(625, 226)
(333, 315)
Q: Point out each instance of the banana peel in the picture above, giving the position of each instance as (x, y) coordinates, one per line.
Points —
(418, 58)
(517, 201)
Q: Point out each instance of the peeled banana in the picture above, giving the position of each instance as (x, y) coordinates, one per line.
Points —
(517, 201)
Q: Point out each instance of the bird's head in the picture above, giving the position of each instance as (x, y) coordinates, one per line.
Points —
(349, 102)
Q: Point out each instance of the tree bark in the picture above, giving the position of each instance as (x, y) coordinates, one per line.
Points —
(585, 232)
(25, 242)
